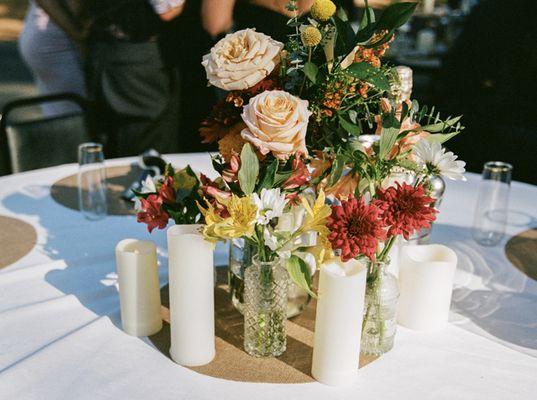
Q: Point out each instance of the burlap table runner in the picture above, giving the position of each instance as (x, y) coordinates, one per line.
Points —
(17, 238)
(521, 250)
(232, 363)
(65, 191)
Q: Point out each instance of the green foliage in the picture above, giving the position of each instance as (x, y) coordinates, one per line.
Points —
(249, 170)
(311, 70)
(367, 73)
(299, 273)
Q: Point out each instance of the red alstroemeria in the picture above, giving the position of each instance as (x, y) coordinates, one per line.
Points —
(300, 175)
(152, 213)
(405, 209)
(231, 174)
(166, 191)
(355, 228)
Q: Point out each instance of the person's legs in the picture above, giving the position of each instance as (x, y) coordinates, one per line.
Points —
(53, 59)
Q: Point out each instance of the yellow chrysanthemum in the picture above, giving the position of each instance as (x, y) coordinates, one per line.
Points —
(322, 10)
(311, 36)
(240, 223)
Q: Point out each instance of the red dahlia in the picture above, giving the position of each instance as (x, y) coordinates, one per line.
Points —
(405, 209)
(355, 228)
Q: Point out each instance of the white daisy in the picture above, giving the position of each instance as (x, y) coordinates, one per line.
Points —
(269, 205)
(148, 185)
(435, 158)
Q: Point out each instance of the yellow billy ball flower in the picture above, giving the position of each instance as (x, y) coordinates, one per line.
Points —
(311, 36)
(322, 10)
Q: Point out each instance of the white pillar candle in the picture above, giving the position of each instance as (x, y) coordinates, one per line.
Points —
(139, 289)
(191, 277)
(338, 324)
(426, 282)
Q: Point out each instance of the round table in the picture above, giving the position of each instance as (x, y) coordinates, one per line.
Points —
(59, 313)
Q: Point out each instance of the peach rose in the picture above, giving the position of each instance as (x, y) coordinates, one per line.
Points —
(276, 122)
(241, 60)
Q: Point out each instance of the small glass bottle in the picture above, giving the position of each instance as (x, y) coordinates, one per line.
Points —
(92, 181)
(490, 217)
(265, 307)
(240, 258)
(380, 311)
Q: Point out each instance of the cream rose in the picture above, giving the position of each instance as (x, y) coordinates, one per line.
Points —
(276, 122)
(241, 60)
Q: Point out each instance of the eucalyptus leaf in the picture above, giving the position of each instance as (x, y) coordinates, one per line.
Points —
(300, 274)
(249, 169)
(311, 70)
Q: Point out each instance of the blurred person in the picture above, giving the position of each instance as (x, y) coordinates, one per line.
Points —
(134, 88)
(489, 77)
(53, 58)
(267, 16)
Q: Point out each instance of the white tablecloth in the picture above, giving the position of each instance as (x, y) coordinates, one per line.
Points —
(59, 314)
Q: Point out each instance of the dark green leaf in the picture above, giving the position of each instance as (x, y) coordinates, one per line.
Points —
(366, 72)
(395, 16)
(249, 169)
(367, 18)
(344, 37)
(352, 129)
(311, 71)
(300, 274)
(336, 171)
(270, 176)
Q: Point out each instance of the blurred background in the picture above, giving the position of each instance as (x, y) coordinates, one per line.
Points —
(133, 70)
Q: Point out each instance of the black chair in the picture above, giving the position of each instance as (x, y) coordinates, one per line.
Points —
(37, 141)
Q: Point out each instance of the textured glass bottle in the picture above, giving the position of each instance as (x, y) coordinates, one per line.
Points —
(265, 304)
(380, 313)
(240, 258)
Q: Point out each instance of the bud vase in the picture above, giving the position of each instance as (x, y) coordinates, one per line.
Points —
(240, 258)
(380, 311)
(265, 303)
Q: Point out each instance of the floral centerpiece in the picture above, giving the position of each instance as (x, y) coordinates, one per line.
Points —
(314, 135)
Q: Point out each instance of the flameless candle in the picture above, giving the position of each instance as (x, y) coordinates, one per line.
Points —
(191, 278)
(139, 290)
(426, 282)
(338, 324)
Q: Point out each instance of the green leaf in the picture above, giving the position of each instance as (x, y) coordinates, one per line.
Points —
(336, 171)
(395, 16)
(311, 71)
(366, 72)
(441, 126)
(441, 137)
(367, 18)
(249, 169)
(270, 176)
(388, 137)
(344, 38)
(361, 70)
(352, 129)
(300, 274)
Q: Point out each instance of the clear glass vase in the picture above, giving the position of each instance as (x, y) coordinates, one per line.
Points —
(380, 311)
(240, 258)
(265, 304)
